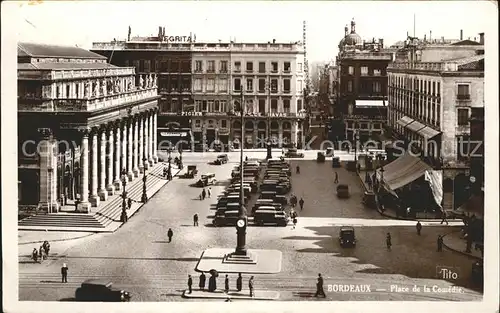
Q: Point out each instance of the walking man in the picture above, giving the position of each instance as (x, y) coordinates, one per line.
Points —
(239, 282)
(297, 169)
(301, 203)
(64, 273)
(129, 203)
(226, 284)
(443, 215)
(419, 228)
(209, 192)
(294, 222)
(440, 243)
(319, 287)
(170, 234)
(203, 194)
(190, 283)
(34, 255)
(250, 286)
(203, 278)
(40, 253)
(46, 247)
(195, 220)
(388, 241)
(336, 181)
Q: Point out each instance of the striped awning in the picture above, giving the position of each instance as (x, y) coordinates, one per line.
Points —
(415, 126)
(405, 120)
(403, 171)
(428, 132)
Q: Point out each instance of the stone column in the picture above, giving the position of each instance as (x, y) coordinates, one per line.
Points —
(150, 139)
(294, 132)
(118, 150)
(84, 205)
(123, 163)
(48, 172)
(140, 124)
(103, 193)
(136, 160)
(94, 197)
(111, 161)
(155, 136)
(256, 140)
(145, 141)
(280, 134)
(130, 142)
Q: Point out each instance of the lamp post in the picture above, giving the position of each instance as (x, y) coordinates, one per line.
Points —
(356, 148)
(381, 177)
(241, 224)
(181, 166)
(169, 174)
(144, 197)
(124, 177)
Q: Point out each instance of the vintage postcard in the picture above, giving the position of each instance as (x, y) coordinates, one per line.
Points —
(282, 156)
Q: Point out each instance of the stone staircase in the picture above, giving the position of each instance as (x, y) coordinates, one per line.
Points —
(104, 216)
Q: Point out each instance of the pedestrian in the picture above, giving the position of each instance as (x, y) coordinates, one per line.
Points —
(443, 215)
(294, 222)
(64, 273)
(34, 255)
(46, 247)
(319, 287)
(301, 203)
(226, 284)
(440, 243)
(212, 283)
(129, 203)
(203, 278)
(419, 228)
(40, 253)
(204, 194)
(209, 192)
(190, 283)
(239, 282)
(195, 220)
(246, 158)
(336, 181)
(388, 241)
(170, 234)
(250, 286)
(297, 169)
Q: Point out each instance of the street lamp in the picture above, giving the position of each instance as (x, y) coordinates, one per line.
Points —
(169, 174)
(356, 148)
(144, 197)
(123, 217)
(381, 177)
(181, 166)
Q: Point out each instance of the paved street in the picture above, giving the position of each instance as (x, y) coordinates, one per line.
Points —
(139, 258)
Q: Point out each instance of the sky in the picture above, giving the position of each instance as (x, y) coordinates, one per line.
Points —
(83, 22)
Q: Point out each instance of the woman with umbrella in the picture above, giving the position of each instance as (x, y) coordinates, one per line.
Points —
(212, 282)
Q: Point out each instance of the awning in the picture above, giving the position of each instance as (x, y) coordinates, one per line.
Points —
(428, 132)
(370, 103)
(405, 120)
(475, 205)
(415, 126)
(403, 171)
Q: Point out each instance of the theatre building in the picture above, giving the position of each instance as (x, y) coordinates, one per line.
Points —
(84, 125)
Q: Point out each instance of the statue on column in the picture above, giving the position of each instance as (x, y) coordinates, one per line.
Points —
(155, 81)
(87, 89)
(141, 81)
(103, 87)
(148, 81)
(96, 89)
(115, 86)
(129, 84)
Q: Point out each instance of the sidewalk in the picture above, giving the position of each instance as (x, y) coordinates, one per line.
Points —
(455, 242)
(31, 237)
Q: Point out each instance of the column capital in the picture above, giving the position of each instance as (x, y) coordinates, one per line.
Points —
(45, 132)
(84, 131)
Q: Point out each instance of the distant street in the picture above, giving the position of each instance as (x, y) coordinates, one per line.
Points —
(138, 257)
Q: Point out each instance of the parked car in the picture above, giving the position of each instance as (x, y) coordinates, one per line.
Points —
(225, 218)
(347, 237)
(269, 215)
(221, 159)
(293, 153)
(343, 191)
(191, 171)
(100, 290)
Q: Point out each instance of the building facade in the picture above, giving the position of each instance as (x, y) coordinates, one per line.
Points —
(266, 80)
(361, 105)
(84, 126)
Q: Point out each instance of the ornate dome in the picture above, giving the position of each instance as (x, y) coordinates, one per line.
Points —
(350, 39)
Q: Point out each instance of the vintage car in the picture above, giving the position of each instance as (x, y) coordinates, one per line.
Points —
(191, 172)
(100, 290)
(226, 218)
(343, 191)
(262, 203)
(281, 199)
(320, 157)
(347, 238)
(221, 159)
(269, 215)
(206, 180)
(293, 153)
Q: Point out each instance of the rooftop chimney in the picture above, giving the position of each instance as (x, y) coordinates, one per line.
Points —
(381, 42)
(481, 38)
(461, 35)
(425, 37)
(274, 40)
(430, 35)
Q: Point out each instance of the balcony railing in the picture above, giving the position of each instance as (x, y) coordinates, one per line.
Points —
(426, 66)
(463, 97)
(90, 104)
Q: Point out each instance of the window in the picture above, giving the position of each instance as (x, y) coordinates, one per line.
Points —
(274, 66)
(211, 66)
(262, 67)
(299, 104)
(349, 86)
(223, 66)
(77, 91)
(175, 106)
(174, 84)
(223, 106)
(377, 87)
(186, 84)
(463, 117)
(237, 84)
(249, 84)
(174, 66)
(204, 105)
(223, 124)
(197, 123)
(198, 66)
(438, 91)
(249, 66)
(433, 88)
(210, 106)
(364, 70)
(376, 125)
(237, 106)
(262, 85)
(216, 106)
(163, 66)
(274, 85)
(299, 67)
(197, 105)
(286, 66)
(351, 70)
(300, 85)
(223, 84)
(274, 105)
(363, 126)
(286, 105)
(463, 92)
(286, 85)
(237, 66)
(262, 106)
(141, 66)
(147, 66)
(377, 72)
(249, 106)
(197, 84)
(210, 84)
(68, 93)
(186, 66)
